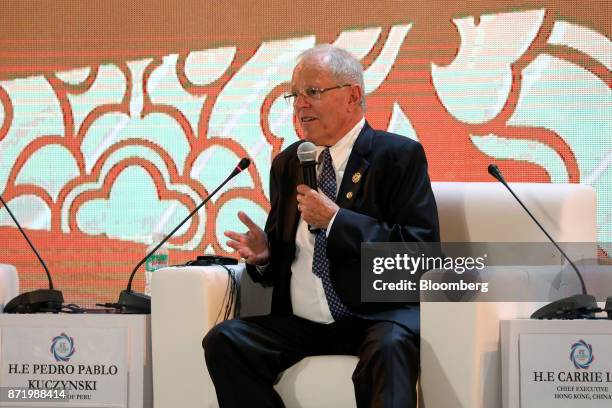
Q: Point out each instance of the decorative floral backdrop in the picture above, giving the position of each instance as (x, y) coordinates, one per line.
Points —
(94, 160)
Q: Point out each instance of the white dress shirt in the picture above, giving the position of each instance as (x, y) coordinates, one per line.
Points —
(307, 294)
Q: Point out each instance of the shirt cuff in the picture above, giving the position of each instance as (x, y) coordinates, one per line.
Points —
(262, 268)
(329, 226)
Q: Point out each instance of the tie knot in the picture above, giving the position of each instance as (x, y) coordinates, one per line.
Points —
(327, 175)
(325, 156)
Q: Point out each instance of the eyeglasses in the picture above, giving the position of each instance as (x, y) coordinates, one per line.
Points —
(310, 93)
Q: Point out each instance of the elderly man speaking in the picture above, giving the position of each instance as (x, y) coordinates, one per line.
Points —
(373, 186)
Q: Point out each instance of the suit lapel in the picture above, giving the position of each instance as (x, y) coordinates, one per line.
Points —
(292, 213)
(356, 168)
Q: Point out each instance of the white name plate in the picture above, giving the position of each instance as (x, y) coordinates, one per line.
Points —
(90, 364)
(566, 370)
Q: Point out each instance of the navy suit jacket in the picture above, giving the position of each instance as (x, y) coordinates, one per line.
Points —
(391, 202)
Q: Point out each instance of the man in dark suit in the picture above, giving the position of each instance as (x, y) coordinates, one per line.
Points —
(374, 187)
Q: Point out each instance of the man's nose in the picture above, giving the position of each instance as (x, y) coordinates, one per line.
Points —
(301, 101)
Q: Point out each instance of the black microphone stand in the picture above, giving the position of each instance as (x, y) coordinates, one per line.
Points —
(41, 300)
(133, 302)
(578, 306)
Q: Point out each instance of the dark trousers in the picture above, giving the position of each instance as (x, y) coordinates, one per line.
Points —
(245, 357)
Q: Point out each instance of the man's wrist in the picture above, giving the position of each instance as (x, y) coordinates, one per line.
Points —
(331, 222)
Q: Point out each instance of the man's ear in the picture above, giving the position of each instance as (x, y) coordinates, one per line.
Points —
(356, 95)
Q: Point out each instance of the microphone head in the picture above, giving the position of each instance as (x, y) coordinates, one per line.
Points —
(307, 152)
(243, 163)
(495, 172)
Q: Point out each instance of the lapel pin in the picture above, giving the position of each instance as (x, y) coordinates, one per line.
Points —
(356, 177)
(349, 195)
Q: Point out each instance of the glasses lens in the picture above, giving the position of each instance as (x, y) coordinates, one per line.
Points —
(290, 98)
(313, 93)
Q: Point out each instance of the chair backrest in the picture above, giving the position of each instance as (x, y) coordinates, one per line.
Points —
(487, 212)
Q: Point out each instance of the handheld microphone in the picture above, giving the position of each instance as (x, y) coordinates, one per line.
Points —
(307, 154)
(41, 300)
(133, 302)
(573, 307)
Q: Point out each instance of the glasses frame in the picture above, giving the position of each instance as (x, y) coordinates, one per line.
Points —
(310, 93)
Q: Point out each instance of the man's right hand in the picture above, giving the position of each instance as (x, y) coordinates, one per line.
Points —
(252, 245)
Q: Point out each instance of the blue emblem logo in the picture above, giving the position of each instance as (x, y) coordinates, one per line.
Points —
(582, 354)
(62, 347)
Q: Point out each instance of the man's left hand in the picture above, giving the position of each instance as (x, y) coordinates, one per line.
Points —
(316, 208)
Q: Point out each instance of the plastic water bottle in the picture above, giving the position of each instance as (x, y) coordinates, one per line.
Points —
(156, 261)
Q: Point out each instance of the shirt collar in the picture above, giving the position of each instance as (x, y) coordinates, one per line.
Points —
(339, 151)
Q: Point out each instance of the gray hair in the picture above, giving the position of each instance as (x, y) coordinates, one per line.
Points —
(342, 66)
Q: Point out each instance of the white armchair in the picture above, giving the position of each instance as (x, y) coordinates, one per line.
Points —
(460, 359)
(9, 284)
(460, 363)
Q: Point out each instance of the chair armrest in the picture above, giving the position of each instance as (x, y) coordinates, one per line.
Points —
(9, 284)
(185, 303)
